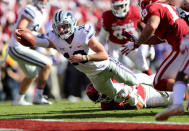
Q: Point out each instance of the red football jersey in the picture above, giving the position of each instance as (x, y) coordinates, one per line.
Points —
(171, 27)
(116, 26)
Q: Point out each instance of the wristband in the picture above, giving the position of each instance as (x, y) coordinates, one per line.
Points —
(85, 58)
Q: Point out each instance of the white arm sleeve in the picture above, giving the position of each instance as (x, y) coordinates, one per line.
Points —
(41, 42)
(103, 35)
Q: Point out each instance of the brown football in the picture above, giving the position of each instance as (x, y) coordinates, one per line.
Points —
(25, 37)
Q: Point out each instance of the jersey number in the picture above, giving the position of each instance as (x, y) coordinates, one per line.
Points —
(36, 28)
(118, 33)
(82, 52)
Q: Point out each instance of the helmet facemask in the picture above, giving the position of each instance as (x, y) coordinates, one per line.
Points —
(64, 24)
(120, 8)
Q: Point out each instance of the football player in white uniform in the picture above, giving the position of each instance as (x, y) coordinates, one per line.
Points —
(80, 46)
(32, 63)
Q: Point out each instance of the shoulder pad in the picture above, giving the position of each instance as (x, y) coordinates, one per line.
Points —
(29, 11)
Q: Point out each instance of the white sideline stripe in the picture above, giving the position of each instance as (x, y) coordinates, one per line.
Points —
(161, 123)
(10, 129)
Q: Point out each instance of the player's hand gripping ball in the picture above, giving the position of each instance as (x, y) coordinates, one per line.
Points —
(25, 37)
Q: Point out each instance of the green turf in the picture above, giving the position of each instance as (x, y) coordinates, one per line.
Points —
(82, 111)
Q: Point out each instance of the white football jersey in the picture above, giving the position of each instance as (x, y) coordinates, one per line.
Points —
(36, 17)
(79, 45)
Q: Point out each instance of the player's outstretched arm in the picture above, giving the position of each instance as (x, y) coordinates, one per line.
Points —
(98, 48)
(26, 38)
(149, 30)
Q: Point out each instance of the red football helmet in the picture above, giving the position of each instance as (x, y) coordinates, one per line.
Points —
(143, 3)
(95, 96)
(120, 7)
(92, 93)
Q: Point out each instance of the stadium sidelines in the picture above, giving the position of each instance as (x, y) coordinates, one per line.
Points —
(88, 125)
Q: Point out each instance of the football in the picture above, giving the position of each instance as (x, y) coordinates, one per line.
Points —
(25, 37)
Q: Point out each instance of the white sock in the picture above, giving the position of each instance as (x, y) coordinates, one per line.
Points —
(20, 97)
(39, 91)
(179, 90)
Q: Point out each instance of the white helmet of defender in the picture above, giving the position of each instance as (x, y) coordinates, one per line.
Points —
(41, 3)
(64, 24)
(120, 8)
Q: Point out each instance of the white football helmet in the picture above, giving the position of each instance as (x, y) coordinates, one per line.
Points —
(41, 3)
(64, 24)
(120, 7)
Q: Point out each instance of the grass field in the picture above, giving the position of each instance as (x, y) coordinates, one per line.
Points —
(81, 111)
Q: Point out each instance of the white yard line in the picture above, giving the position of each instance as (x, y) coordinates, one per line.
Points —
(153, 122)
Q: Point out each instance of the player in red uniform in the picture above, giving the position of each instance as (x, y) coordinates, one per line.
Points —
(122, 16)
(180, 85)
(163, 22)
(149, 97)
